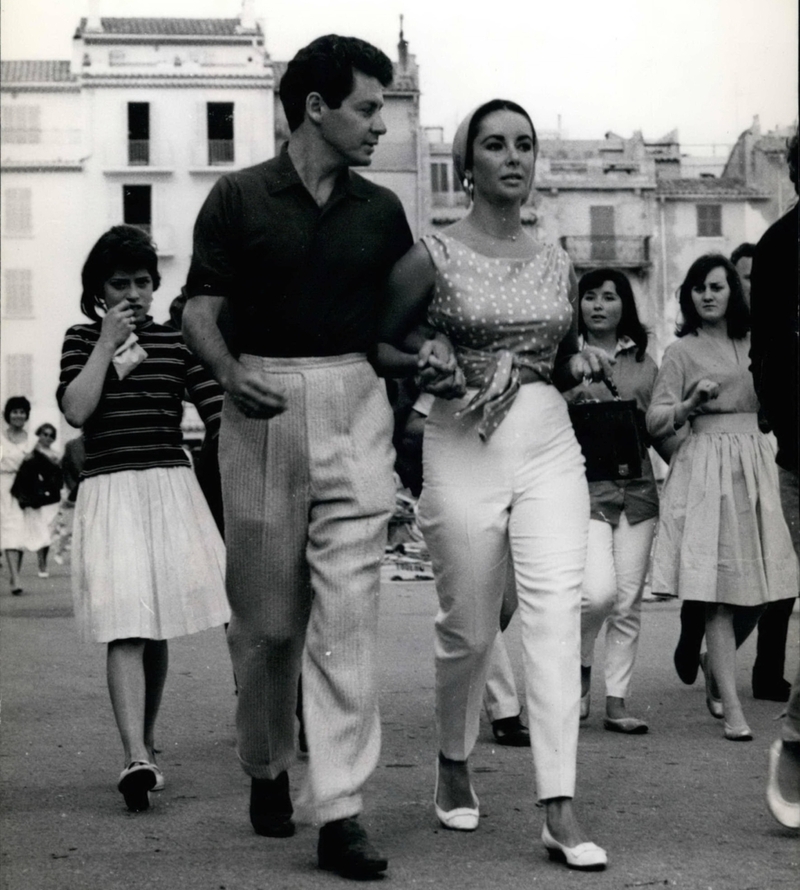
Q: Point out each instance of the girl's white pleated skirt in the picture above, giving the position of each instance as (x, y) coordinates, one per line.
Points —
(147, 558)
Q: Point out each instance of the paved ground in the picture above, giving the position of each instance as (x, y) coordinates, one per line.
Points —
(680, 807)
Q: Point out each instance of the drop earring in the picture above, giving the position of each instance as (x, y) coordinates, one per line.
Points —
(469, 188)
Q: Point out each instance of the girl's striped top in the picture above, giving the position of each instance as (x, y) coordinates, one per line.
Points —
(137, 423)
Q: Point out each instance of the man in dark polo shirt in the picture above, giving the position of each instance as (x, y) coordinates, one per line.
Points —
(298, 249)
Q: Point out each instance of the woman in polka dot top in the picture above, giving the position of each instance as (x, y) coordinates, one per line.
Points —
(504, 486)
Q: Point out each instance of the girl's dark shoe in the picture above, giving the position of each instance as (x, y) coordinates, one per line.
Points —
(271, 807)
(136, 782)
(345, 848)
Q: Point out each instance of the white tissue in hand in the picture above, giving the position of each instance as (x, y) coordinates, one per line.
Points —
(128, 356)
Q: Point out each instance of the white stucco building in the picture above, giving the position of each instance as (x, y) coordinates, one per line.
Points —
(134, 128)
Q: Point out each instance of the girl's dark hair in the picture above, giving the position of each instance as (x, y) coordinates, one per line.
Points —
(124, 249)
(484, 111)
(16, 403)
(737, 314)
(629, 323)
(326, 67)
(46, 426)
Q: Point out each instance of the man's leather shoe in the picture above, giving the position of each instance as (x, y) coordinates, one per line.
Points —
(271, 807)
(511, 731)
(344, 848)
(775, 690)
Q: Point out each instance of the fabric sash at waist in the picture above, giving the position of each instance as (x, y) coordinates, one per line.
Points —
(725, 423)
(291, 363)
(498, 377)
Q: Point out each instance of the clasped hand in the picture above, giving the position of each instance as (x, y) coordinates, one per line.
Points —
(437, 370)
(591, 364)
(117, 325)
(703, 391)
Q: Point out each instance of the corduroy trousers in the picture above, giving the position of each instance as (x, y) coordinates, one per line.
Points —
(522, 494)
(307, 498)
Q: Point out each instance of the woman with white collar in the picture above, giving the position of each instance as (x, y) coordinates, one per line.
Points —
(623, 512)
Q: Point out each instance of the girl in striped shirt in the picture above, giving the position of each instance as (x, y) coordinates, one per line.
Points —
(148, 562)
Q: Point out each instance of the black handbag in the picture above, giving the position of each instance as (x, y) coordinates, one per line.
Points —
(611, 436)
(37, 483)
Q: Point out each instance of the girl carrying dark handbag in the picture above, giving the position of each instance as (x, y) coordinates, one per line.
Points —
(38, 482)
(608, 422)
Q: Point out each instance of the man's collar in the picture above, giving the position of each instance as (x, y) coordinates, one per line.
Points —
(283, 175)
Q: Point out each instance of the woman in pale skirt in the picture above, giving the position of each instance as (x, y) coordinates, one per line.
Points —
(722, 539)
(14, 448)
(148, 561)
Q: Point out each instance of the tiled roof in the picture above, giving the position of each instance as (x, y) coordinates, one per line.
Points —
(35, 71)
(707, 187)
(170, 27)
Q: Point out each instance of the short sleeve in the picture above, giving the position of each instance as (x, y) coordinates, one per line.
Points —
(214, 254)
(75, 353)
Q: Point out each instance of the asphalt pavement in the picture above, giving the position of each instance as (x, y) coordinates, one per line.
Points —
(680, 807)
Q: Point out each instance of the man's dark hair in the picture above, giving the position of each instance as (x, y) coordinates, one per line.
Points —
(737, 315)
(745, 249)
(326, 67)
(123, 249)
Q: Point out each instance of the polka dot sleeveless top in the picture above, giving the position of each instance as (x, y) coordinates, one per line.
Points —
(488, 305)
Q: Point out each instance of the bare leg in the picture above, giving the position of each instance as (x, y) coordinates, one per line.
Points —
(156, 662)
(14, 560)
(455, 786)
(126, 686)
(721, 641)
(562, 822)
(41, 556)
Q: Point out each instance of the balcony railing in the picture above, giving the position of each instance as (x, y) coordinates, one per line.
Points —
(138, 152)
(220, 151)
(593, 251)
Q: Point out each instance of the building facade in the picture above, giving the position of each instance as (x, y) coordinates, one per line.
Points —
(136, 128)
(626, 203)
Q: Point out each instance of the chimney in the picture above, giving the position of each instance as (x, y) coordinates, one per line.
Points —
(247, 17)
(93, 23)
(402, 48)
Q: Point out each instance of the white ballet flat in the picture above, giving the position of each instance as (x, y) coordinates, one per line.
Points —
(460, 818)
(584, 857)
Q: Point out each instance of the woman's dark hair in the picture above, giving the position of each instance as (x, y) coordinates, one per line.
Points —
(737, 314)
(16, 403)
(484, 111)
(326, 67)
(629, 323)
(46, 426)
(123, 249)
